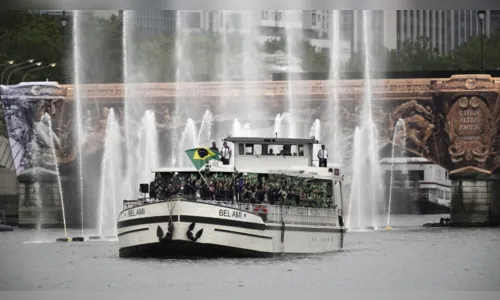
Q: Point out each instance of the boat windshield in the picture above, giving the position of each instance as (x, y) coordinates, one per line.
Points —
(246, 187)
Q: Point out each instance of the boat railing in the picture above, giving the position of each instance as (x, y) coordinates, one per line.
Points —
(288, 214)
(273, 213)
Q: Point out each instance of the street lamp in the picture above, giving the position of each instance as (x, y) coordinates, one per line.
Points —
(36, 64)
(481, 15)
(35, 69)
(64, 22)
(15, 65)
(10, 62)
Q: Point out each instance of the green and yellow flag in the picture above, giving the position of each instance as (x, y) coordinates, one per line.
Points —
(200, 156)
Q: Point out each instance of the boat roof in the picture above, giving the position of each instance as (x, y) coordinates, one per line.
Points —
(304, 172)
(404, 160)
(270, 140)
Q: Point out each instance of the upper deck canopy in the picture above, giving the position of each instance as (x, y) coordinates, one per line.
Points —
(271, 141)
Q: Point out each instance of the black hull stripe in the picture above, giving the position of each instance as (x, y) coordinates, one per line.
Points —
(132, 231)
(243, 233)
(144, 221)
(307, 229)
(190, 219)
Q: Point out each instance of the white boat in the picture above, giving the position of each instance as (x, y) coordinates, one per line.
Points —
(248, 213)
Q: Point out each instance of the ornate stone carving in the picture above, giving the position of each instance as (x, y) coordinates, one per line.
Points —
(346, 89)
(418, 122)
(465, 82)
(471, 129)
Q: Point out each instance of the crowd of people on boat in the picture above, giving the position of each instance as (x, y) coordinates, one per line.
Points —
(244, 188)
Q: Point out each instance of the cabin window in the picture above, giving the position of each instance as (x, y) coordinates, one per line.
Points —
(281, 150)
(241, 149)
(301, 150)
(257, 149)
(293, 150)
(248, 149)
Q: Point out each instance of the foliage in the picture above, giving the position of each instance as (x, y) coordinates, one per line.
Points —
(204, 55)
(101, 50)
(468, 55)
(272, 45)
(24, 36)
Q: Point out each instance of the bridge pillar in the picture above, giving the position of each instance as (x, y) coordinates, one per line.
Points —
(39, 199)
(475, 200)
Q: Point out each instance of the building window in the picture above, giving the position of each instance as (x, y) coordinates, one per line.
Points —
(280, 16)
(193, 20)
(236, 21)
(314, 20)
(416, 175)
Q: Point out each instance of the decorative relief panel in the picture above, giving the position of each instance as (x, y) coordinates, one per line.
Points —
(471, 129)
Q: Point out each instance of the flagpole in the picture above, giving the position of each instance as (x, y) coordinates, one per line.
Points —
(202, 177)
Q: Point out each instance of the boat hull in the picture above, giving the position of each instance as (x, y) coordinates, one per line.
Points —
(194, 229)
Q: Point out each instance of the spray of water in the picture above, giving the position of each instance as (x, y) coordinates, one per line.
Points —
(46, 119)
(356, 190)
(370, 129)
(333, 100)
(316, 132)
(291, 17)
(188, 140)
(399, 131)
(127, 19)
(110, 166)
(148, 140)
(205, 132)
(77, 63)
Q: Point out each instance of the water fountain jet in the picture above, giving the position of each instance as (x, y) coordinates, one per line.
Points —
(77, 62)
(398, 128)
(48, 122)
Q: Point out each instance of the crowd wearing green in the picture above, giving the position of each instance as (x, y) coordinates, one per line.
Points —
(245, 188)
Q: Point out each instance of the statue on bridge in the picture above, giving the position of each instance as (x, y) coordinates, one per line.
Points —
(418, 122)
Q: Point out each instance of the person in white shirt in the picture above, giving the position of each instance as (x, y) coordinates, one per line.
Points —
(225, 154)
(323, 156)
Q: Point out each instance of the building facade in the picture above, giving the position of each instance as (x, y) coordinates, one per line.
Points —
(445, 29)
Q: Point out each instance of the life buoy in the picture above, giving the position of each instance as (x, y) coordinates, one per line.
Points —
(261, 211)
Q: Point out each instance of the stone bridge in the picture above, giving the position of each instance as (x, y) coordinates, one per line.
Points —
(452, 122)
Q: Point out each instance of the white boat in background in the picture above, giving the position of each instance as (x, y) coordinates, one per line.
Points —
(262, 205)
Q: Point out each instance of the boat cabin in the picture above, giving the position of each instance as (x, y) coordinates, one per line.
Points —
(273, 153)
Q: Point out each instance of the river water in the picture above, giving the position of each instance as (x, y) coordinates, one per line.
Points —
(409, 257)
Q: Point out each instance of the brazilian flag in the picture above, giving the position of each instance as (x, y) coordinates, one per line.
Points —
(200, 156)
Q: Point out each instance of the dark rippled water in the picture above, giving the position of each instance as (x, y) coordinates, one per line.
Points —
(406, 258)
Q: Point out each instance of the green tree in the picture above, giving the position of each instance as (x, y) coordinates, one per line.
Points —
(313, 60)
(157, 58)
(23, 36)
(417, 56)
(272, 45)
(468, 55)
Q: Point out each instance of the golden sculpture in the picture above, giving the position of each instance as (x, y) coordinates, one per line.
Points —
(418, 122)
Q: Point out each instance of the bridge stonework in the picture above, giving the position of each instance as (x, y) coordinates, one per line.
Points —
(453, 122)
(459, 130)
